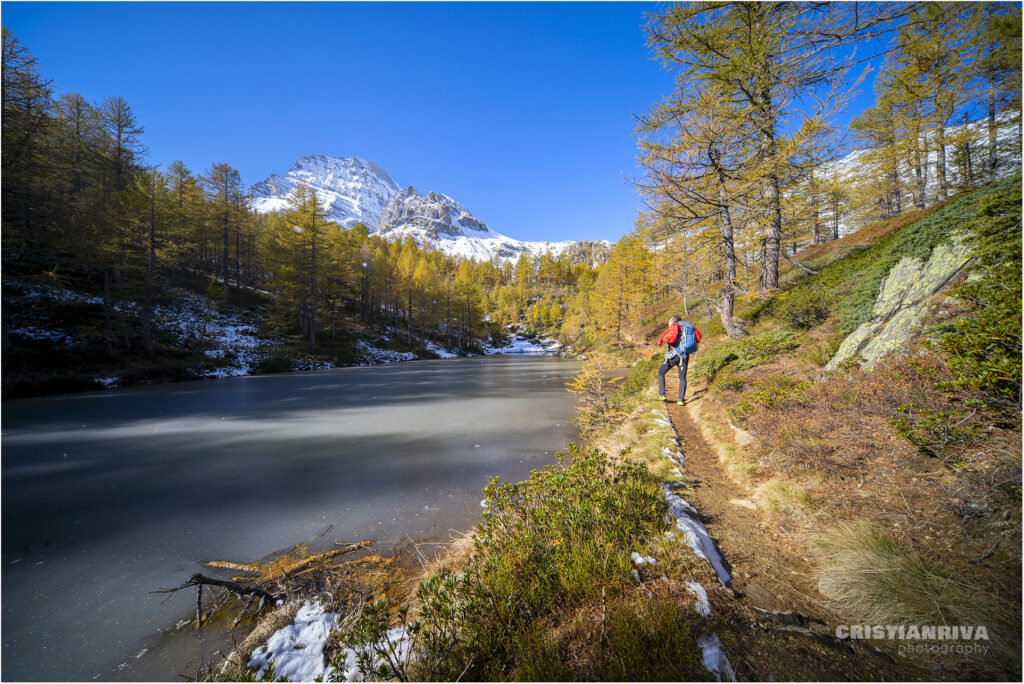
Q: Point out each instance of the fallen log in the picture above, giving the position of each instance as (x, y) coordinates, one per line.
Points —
(803, 267)
(254, 568)
(289, 569)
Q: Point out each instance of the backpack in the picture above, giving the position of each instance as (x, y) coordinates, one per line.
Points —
(686, 343)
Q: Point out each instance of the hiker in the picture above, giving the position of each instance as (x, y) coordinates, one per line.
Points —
(682, 339)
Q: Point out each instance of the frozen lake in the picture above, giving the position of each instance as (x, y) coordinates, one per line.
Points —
(110, 495)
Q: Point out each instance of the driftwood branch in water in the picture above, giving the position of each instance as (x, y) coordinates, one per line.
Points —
(200, 580)
(803, 267)
(268, 570)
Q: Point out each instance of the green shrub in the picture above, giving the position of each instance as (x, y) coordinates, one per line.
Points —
(942, 434)
(758, 350)
(744, 353)
(639, 379)
(984, 349)
(771, 393)
(552, 542)
(711, 362)
(804, 309)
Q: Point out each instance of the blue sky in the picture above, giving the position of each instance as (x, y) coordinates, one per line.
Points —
(522, 112)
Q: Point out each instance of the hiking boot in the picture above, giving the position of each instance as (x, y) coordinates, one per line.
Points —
(681, 403)
(661, 397)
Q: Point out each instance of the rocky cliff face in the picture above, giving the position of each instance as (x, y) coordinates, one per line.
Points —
(435, 216)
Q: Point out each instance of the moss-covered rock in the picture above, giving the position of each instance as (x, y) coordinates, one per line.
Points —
(901, 308)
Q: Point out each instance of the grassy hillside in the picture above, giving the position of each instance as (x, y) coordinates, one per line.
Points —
(903, 482)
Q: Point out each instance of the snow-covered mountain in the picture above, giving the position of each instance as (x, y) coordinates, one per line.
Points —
(440, 221)
(353, 190)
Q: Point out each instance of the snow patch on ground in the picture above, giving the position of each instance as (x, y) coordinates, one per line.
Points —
(397, 641)
(695, 534)
(34, 332)
(297, 650)
(439, 350)
(57, 294)
(687, 519)
(639, 559)
(193, 319)
(373, 355)
(702, 604)
(714, 659)
(525, 345)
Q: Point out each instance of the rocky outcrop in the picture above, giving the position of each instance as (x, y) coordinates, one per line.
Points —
(436, 215)
(902, 307)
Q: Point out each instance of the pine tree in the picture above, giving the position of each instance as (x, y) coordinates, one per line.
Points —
(26, 123)
(223, 187)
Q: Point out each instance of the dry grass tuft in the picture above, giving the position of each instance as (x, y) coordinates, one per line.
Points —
(456, 555)
(881, 580)
(786, 496)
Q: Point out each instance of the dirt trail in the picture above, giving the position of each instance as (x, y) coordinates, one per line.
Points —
(769, 574)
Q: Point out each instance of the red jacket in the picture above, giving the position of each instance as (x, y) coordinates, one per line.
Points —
(671, 334)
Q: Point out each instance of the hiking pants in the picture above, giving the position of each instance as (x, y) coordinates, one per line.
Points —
(676, 360)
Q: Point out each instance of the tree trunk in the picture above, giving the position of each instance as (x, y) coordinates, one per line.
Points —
(817, 233)
(993, 159)
(725, 231)
(147, 301)
(108, 323)
(772, 196)
(919, 198)
(312, 286)
(940, 161)
(227, 241)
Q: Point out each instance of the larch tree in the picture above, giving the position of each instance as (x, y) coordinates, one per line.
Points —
(778, 61)
(223, 187)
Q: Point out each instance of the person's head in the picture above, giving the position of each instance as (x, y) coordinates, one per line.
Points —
(675, 319)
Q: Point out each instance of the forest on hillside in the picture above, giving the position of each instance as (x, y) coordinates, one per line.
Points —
(741, 166)
(97, 239)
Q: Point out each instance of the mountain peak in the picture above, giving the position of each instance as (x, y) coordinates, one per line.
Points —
(351, 189)
(355, 190)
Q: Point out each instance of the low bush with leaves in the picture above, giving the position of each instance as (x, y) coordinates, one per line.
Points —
(640, 378)
(744, 353)
(546, 545)
(984, 348)
(771, 392)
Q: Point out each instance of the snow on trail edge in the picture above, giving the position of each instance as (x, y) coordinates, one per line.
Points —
(714, 659)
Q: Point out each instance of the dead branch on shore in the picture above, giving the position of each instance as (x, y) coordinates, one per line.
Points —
(200, 580)
(291, 574)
